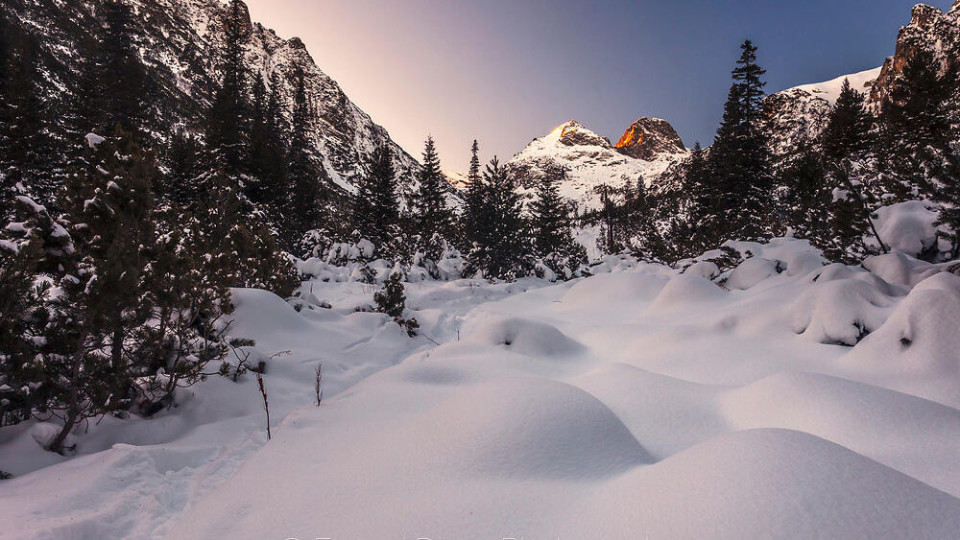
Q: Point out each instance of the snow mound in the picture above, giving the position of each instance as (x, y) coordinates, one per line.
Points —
(531, 428)
(908, 227)
(606, 289)
(751, 273)
(920, 341)
(684, 290)
(840, 312)
(772, 484)
(900, 269)
(262, 312)
(704, 269)
(910, 434)
(526, 337)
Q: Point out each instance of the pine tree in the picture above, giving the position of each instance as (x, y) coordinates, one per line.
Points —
(376, 210)
(228, 122)
(847, 141)
(739, 158)
(505, 252)
(918, 132)
(303, 202)
(704, 210)
(109, 203)
(550, 216)
(551, 227)
(919, 135)
(808, 197)
(393, 302)
(123, 80)
(475, 220)
(27, 154)
(431, 215)
(184, 165)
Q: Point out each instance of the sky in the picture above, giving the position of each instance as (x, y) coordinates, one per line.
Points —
(507, 71)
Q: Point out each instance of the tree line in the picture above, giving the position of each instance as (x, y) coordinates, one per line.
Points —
(826, 189)
(120, 244)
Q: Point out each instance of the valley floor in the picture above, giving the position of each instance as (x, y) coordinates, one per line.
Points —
(638, 403)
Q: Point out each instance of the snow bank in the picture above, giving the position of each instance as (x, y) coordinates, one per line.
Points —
(529, 428)
(918, 349)
(908, 227)
(685, 290)
(751, 273)
(768, 484)
(840, 311)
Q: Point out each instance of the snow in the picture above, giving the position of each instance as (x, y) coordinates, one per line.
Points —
(908, 227)
(591, 163)
(830, 90)
(640, 402)
(94, 140)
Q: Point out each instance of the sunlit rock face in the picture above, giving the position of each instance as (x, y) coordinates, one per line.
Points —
(650, 138)
(930, 29)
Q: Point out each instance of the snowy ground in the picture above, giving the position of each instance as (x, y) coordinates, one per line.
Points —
(638, 403)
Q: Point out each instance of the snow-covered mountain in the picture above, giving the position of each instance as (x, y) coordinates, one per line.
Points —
(179, 42)
(799, 114)
(589, 160)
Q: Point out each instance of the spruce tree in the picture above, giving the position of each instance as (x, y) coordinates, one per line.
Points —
(303, 202)
(918, 132)
(847, 141)
(89, 361)
(27, 154)
(432, 217)
(551, 228)
(393, 302)
(228, 122)
(475, 212)
(184, 165)
(123, 80)
(507, 255)
(704, 210)
(739, 159)
(376, 210)
(808, 197)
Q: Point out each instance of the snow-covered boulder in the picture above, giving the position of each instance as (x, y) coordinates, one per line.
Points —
(840, 311)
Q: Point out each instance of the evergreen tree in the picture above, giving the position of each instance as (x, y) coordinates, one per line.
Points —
(808, 197)
(918, 132)
(704, 210)
(376, 210)
(475, 213)
(393, 302)
(431, 215)
(504, 253)
(109, 203)
(550, 216)
(228, 125)
(184, 165)
(847, 142)
(922, 160)
(268, 186)
(303, 202)
(551, 228)
(122, 77)
(27, 152)
(739, 159)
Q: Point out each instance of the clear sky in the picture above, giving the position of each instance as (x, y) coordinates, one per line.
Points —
(508, 71)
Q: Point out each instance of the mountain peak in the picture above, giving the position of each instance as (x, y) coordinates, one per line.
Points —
(649, 138)
(573, 133)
